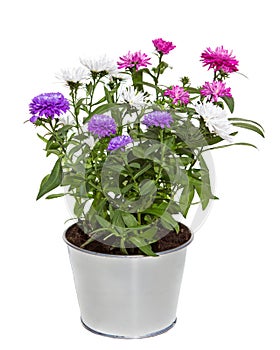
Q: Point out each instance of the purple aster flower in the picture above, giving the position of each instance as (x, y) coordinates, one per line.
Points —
(220, 59)
(119, 142)
(158, 118)
(178, 94)
(214, 90)
(102, 125)
(163, 46)
(131, 60)
(48, 105)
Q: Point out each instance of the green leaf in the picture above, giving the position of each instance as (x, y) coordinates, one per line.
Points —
(200, 179)
(108, 95)
(247, 121)
(72, 180)
(245, 125)
(154, 211)
(52, 180)
(53, 151)
(52, 146)
(99, 110)
(186, 199)
(102, 222)
(62, 131)
(42, 138)
(161, 67)
(142, 245)
(79, 208)
(150, 233)
(205, 190)
(169, 222)
(249, 127)
(229, 102)
(129, 219)
(192, 90)
(135, 165)
(75, 149)
(138, 152)
(147, 249)
(78, 106)
(147, 186)
(231, 144)
(56, 195)
(116, 217)
(152, 150)
(153, 86)
(141, 172)
(127, 188)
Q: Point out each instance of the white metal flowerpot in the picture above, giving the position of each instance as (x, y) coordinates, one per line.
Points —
(127, 296)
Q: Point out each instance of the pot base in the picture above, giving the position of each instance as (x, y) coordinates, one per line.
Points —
(136, 337)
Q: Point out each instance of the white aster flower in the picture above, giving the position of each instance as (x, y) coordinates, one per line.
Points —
(215, 119)
(127, 94)
(72, 74)
(100, 65)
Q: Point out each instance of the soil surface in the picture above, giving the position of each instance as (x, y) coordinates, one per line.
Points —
(169, 240)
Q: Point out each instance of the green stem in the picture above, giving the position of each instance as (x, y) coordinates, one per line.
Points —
(215, 76)
(95, 83)
(122, 246)
(137, 78)
(44, 125)
(73, 94)
(139, 218)
(58, 139)
(162, 155)
(196, 159)
(158, 74)
(130, 172)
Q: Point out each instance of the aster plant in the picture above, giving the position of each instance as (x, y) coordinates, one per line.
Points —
(133, 156)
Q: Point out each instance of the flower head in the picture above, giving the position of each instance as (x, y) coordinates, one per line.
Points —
(119, 142)
(178, 94)
(73, 75)
(215, 119)
(102, 125)
(127, 94)
(163, 46)
(48, 105)
(131, 60)
(103, 64)
(215, 89)
(158, 118)
(220, 59)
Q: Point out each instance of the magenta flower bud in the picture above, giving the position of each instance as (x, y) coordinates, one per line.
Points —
(163, 46)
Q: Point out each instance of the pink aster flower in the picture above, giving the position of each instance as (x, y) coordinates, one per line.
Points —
(163, 46)
(131, 60)
(220, 59)
(214, 90)
(178, 94)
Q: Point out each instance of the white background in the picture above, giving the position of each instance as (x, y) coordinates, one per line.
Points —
(230, 292)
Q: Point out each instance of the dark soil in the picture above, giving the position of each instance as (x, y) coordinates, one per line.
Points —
(170, 240)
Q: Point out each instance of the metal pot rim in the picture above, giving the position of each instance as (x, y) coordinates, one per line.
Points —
(169, 251)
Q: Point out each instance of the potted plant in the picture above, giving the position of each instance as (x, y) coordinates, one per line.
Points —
(131, 161)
